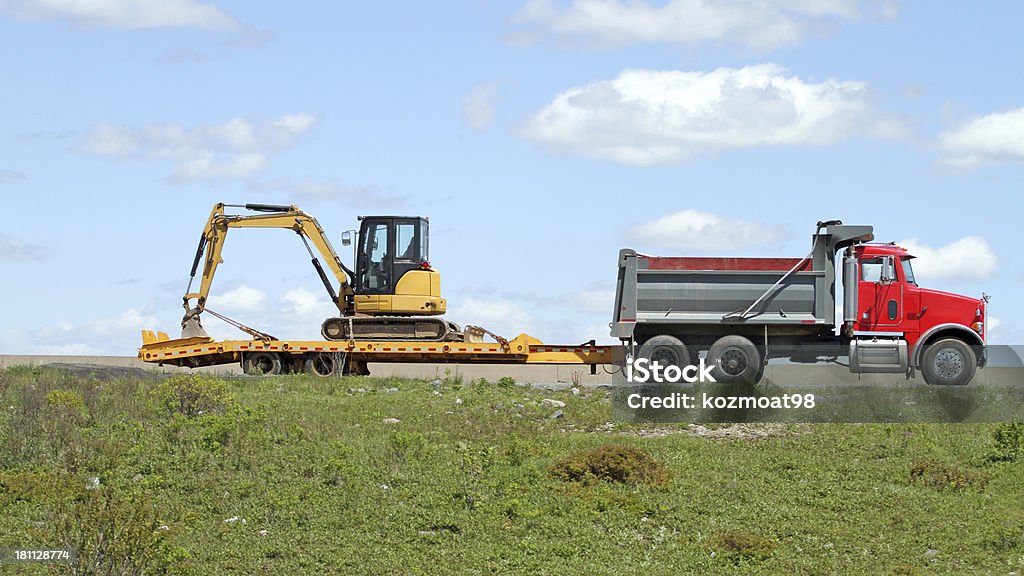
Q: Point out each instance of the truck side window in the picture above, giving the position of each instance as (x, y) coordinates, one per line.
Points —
(908, 272)
(871, 270)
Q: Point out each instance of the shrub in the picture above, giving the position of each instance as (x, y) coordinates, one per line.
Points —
(116, 535)
(193, 394)
(620, 464)
(1008, 442)
(1007, 536)
(943, 476)
(742, 546)
(67, 405)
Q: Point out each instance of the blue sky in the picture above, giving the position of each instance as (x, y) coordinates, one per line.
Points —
(539, 137)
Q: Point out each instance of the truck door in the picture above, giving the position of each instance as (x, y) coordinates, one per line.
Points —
(880, 294)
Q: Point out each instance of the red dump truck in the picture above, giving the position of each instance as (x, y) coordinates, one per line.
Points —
(736, 313)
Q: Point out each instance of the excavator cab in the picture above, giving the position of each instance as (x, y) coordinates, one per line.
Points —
(393, 273)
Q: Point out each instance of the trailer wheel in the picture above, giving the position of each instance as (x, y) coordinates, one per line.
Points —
(735, 360)
(666, 350)
(948, 362)
(322, 364)
(262, 364)
(356, 368)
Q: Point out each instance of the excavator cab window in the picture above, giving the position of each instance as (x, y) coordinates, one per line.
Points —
(376, 262)
(389, 247)
(407, 241)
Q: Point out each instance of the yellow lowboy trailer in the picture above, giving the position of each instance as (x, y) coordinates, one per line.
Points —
(326, 358)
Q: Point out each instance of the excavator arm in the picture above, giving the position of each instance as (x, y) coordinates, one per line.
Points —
(211, 244)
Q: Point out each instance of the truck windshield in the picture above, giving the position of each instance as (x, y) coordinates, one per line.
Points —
(908, 272)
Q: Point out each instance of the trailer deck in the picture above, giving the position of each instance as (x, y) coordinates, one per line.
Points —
(158, 348)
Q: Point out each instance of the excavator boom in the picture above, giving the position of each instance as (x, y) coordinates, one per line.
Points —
(211, 244)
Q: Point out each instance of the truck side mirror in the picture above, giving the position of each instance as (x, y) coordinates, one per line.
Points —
(888, 271)
(346, 238)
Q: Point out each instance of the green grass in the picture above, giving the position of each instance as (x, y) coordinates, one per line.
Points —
(294, 475)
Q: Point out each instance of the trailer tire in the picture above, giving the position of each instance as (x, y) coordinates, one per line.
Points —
(356, 368)
(262, 364)
(948, 362)
(323, 364)
(667, 350)
(735, 360)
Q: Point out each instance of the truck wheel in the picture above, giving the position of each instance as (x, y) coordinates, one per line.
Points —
(734, 360)
(262, 364)
(666, 350)
(322, 364)
(948, 362)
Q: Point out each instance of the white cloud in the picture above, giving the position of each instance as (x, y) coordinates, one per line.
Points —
(478, 106)
(11, 176)
(301, 313)
(646, 117)
(238, 148)
(969, 258)
(118, 335)
(14, 249)
(992, 329)
(989, 139)
(310, 190)
(295, 123)
(125, 14)
(694, 231)
(241, 299)
(503, 317)
(596, 301)
(755, 24)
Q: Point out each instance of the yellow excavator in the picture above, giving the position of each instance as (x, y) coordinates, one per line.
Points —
(393, 293)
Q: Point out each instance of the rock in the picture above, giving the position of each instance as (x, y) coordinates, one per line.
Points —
(435, 384)
(575, 391)
(263, 532)
(458, 400)
(931, 552)
(356, 390)
(557, 414)
(137, 478)
(549, 403)
(92, 483)
(391, 390)
(436, 393)
(392, 421)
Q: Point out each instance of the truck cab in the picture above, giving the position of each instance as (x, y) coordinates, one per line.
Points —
(890, 305)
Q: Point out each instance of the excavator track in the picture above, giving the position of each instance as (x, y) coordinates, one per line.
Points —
(405, 328)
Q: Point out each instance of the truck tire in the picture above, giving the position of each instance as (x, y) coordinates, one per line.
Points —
(735, 360)
(948, 362)
(322, 364)
(262, 364)
(667, 350)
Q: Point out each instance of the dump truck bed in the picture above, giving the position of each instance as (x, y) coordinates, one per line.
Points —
(701, 291)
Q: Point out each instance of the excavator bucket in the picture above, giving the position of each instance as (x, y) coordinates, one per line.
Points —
(191, 326)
